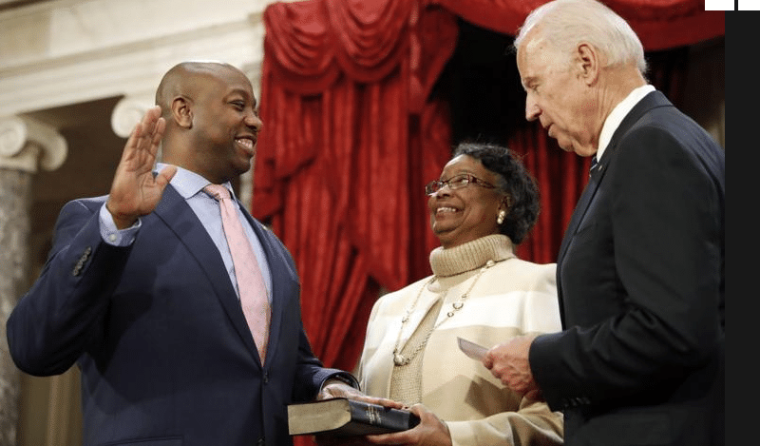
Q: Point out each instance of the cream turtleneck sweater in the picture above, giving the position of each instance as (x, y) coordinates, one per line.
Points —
(469, 256)
(509, 298)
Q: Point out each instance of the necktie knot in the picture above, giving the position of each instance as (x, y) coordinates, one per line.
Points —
(217, 191)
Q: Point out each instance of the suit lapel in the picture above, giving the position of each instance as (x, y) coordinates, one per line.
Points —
(284, 282)
(652, 100)
(178, 216)
(580, 210)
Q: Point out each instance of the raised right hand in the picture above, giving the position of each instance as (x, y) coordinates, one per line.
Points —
(134, 191)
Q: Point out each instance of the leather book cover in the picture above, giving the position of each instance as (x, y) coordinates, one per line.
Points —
(344, 417)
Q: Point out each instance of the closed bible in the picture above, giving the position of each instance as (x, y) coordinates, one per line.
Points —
(344, 417)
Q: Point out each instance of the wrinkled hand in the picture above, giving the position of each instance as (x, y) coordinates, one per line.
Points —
(509, 363)
(134, 191)
(430, 432)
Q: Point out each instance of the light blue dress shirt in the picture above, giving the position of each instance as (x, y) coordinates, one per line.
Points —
(190, 186)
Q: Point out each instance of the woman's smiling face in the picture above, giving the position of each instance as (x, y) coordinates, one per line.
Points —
(469, 213)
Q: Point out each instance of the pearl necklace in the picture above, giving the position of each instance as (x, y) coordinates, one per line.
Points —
(402, 360)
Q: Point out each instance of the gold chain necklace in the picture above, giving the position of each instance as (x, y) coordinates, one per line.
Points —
(402, 360)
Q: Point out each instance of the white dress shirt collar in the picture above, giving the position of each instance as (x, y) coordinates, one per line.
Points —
(188, 183)
(618, 114)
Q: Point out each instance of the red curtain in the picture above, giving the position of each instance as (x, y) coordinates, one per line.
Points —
(660, 24)
(352, 133)
(348, 142)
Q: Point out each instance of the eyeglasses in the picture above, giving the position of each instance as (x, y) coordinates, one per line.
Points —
(456, 182)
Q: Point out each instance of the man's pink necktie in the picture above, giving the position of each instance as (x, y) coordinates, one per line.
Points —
(253, 292)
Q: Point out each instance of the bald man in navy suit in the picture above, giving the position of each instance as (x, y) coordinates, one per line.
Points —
(139, 288)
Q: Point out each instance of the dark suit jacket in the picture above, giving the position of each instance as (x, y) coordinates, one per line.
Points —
(165, 353)
(640, 279)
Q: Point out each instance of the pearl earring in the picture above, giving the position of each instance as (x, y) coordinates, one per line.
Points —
(500, 218)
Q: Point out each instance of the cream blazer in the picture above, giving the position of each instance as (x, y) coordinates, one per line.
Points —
(512, 298)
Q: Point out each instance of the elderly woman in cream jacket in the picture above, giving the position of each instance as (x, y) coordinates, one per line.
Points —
(484, 203)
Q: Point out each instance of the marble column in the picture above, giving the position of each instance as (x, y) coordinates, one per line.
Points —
(25, 145)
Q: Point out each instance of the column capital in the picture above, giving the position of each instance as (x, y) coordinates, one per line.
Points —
(26, 143)
(128, 112)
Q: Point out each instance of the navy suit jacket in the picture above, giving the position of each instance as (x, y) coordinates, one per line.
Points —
(158, 332)
(640, 278)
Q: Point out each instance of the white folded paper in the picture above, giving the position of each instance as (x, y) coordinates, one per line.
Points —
(472, 349)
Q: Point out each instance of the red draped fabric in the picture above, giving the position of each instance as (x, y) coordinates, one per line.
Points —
(349, 139)
(352, 133)
(660, 24)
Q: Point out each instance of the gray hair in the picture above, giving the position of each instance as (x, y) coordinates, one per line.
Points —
(566, 23)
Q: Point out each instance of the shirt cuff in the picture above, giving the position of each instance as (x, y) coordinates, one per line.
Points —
(114, 236)
(345, 378)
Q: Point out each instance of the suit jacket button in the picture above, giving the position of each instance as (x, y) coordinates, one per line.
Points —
(266, 377)
(260, 442)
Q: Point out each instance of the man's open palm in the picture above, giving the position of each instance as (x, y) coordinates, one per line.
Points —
(135, 191)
